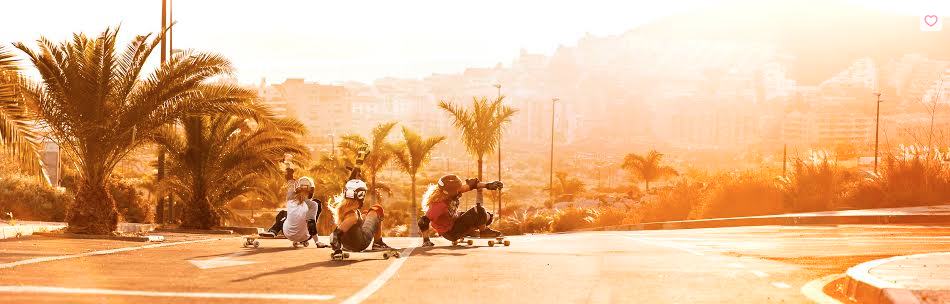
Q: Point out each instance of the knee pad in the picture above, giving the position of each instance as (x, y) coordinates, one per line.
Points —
(312, 227)
(423, 223)
(491, 217)
(379, 210)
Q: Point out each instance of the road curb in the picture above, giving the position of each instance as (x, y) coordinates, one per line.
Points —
(17, 231)
(784, 221)
(147, 238)
(864, 287)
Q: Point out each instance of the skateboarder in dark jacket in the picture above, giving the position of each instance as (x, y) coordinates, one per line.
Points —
(440, 204)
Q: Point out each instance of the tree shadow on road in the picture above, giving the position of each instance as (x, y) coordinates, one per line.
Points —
(301, 268)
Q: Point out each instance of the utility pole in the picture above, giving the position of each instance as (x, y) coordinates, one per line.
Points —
(551, 172)
(877, 128)
(161, 211)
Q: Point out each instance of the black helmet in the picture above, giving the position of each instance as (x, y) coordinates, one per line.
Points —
(450, 184)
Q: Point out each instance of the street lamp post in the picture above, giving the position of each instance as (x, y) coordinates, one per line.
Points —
(551, 171)
(498, 86)
(877, 123)
(332, 145)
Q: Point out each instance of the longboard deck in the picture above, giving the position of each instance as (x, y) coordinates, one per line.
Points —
(492, 241)
(251, 241)
(385, 253)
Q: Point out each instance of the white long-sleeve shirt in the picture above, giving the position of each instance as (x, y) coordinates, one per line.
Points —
(295, 226)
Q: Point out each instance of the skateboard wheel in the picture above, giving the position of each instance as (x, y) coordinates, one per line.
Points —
(455, 243)
(306, 244)
(385, 255)
(296, 244)
(470, 242)
(396, 254)
(257, 244)
(346, 255)
(245, 245)
(507, 243)
(491, 243)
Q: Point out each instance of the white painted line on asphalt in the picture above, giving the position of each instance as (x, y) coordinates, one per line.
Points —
(222, 261)
(781, 285)
(736, 265)
(814, 290)
(760, 274)
(380, 280)
(102, 252)
(665, 244)
(142, 293)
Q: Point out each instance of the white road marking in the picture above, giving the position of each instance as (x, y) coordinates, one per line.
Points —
(376, 284)
(142, 293)
(666, 244)
(760, 274)
(102, 252)
(736, 265)
(224, 261)
(814, 290)
(781, 285)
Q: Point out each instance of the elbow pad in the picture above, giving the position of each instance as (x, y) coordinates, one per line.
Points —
(423, 223)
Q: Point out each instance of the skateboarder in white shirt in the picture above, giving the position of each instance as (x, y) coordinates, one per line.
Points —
(299, 221)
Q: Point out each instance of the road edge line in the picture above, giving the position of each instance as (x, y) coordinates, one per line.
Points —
(103, 252)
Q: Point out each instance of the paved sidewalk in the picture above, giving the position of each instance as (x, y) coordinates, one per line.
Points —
(919, 278)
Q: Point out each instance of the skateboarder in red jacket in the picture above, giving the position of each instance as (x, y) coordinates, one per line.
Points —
(441, 204)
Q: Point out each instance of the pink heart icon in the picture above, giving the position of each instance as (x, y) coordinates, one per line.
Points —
(930, 20)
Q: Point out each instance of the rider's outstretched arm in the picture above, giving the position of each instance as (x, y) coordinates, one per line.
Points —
(291, 187)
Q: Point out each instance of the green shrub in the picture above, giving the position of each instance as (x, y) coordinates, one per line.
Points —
(571, 218)
(131, 203)
(29, 199)
(745, 194)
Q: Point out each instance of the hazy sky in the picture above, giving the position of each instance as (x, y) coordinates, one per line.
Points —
(330, 41)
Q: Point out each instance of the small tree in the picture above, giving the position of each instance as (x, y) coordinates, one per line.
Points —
(480, 125)
(411, 156)
(648, 167)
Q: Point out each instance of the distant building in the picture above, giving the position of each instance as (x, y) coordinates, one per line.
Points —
(325, 109)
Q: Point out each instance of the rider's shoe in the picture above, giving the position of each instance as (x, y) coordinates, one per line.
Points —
(473, 233)
(268, 233)
(321, 245)
(488, 232)
(380, 245)
(427, 243)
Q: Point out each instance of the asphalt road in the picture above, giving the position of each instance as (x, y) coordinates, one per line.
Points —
(767, 264)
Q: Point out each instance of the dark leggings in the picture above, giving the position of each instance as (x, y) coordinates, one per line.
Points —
(282, 216)
(358, 237)
(471, 219)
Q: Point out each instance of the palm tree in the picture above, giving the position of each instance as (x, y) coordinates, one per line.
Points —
(647, 168)
(480, 125)
(380, 154)
(215, 159)
(98, 108)
(412, 156)
(17, 134)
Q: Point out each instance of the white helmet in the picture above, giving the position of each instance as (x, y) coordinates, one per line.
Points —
(355, 189)
(305, 181)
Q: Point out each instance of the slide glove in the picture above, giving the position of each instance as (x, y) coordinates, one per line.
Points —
(496, 185)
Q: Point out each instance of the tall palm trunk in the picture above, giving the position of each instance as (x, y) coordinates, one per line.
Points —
(97, 214)
(199, 213)
(478, 195)
(414, 231)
